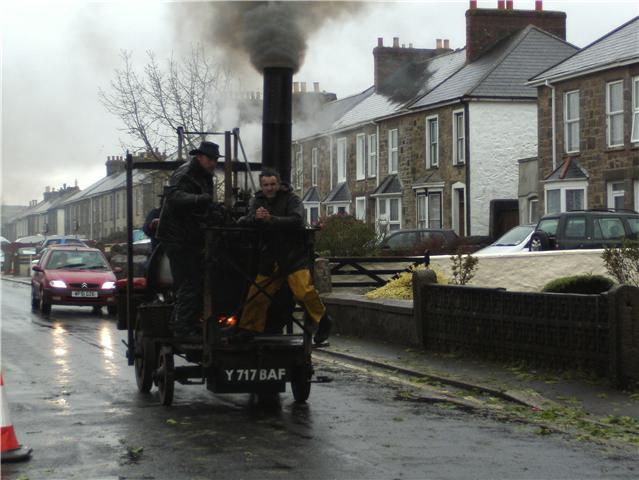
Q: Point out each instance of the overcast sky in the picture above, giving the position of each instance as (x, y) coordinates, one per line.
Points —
(56, 54)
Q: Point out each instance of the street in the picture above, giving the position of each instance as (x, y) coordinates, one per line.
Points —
(73, 399)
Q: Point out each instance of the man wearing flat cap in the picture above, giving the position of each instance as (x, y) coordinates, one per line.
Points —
(187, 200)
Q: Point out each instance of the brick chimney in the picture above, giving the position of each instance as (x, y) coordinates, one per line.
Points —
(114, 164)
(487, 26)
(389, 59)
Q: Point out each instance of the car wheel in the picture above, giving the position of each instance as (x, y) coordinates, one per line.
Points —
(539, 241)
(34, 301)
(112, 309)
(45, 308)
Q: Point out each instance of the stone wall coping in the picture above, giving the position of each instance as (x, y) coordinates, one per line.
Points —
(386, 304)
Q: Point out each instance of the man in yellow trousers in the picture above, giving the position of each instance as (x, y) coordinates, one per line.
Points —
(283, 256)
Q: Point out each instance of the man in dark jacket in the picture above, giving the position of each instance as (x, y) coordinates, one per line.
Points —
(187, 200)
(283, 256)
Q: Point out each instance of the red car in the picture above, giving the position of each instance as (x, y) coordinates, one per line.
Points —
(73, 275)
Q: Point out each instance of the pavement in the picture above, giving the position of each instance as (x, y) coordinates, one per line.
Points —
(593, 396)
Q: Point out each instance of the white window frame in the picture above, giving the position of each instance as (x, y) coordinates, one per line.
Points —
(459, 156)
(393, 151)
(440, 192)
(531, 201)
(610, 114)
(635, 110)
(454, 214)
(360, 208)
(334, 207)
(569, 122)
(360, 156)
(432, 161)
(562, 187)
(341, 159)
(421, 209)
(636, 195)
(372, 155)
(307, 209)
(297, 183)
(314, 166)
(384, 222)
(612, 193)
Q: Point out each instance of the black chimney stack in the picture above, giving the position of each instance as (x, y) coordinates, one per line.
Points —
(276, 122)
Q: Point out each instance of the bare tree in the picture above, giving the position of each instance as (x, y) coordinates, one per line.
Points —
(153, 103)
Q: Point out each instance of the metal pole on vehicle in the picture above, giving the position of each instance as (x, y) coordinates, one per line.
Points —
(180, 132)
(129, 256)
(228, 171)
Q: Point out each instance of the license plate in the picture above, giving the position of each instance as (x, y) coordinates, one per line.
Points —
(254, 374)
(84, 294)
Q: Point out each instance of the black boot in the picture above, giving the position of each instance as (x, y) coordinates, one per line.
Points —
(323, 330)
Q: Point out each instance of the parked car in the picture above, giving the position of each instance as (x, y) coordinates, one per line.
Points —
(583, 229)
(515, 240)
(60, 240)
(4, 243)
(417, 241)
(73, 275)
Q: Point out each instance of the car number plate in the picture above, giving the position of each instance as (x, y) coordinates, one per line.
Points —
(254, 374)
(84, 294)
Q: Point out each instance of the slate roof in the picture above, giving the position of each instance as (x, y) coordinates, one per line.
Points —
(504, 70)
(570, 169)
(391, 184)
(621, 46)
(374, 106)
(311, 195)
(107, 184)
(340, 193)
(430, 178)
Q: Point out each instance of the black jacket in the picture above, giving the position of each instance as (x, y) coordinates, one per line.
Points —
(283, 239)
(185, 206)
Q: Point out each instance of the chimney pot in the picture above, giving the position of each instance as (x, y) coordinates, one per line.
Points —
(438, 43)
(501, 4)
(380, 41)
(403, 45)
(395, 42)
(473, 4)
(303, 85)
(539, 5)
(446, 43)
(509, 4)
(410, 45)
(316, 87)
(296, 87)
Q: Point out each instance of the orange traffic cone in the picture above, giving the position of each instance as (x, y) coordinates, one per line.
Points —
(12, 451)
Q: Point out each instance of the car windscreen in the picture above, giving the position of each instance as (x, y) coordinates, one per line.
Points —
(633, 222)
(515, 235)
(548, 225)
(71, 260)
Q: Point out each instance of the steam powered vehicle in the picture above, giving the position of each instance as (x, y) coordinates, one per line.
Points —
(262, 365)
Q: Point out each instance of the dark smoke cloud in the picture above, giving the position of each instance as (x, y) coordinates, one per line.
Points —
(269, 33)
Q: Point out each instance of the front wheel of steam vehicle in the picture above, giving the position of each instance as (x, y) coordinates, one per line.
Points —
(145, 362)
(166, 375)
(300, 386)
(539, 241)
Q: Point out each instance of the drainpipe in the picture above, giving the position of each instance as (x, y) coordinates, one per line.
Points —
(553, 120)
(377, 154)
(330, 163)
(467, 211)
(91, 219)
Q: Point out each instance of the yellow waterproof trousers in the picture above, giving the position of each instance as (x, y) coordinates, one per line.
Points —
(254, 313)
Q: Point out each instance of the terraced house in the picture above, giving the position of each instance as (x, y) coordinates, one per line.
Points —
(589, 126)
(436, 141)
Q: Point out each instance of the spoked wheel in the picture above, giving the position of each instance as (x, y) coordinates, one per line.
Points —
(301, 385)
(165, 375)
(145, 362)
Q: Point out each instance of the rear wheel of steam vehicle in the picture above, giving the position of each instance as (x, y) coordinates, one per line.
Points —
(300, 386)
(145, 362)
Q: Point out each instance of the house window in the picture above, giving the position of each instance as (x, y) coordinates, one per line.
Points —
(458, 137)
(360, 157)
(393, 150)
(372, 155)
(636, 195)
(458, 208)
(314, 167)
(389, 213)
(635, 110)
(432, 142)
(312, 213)
(567, 197)
(533, 210)
(434, 209)
(297, 172)
(335, 209)
(341, 160)
(360, 208)
(421, 210)
(614, 113)
(616, 195)
(571, 121)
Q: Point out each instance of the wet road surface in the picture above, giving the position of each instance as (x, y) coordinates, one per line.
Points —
(73, 399)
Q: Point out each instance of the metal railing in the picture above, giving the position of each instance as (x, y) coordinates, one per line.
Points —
(367, 267)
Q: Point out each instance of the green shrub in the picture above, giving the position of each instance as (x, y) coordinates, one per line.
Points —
(623, 263)
(345, 236)
(585, 284)
(463, 268)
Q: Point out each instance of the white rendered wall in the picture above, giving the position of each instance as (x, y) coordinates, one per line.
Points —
(500, 134)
